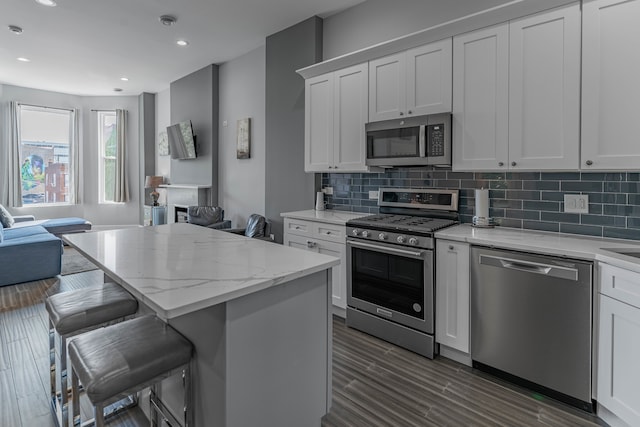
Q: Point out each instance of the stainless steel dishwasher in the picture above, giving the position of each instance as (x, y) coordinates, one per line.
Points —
(531, 322)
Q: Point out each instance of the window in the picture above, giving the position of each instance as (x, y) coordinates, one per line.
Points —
(45, 155)
(107, 134)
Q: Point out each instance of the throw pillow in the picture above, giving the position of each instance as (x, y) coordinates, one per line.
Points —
(1, 233)
(5, 217)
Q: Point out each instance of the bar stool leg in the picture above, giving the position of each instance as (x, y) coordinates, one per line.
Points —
(98, 415)
(74, 414)
(52, 362)
(152, 407)
(186, 384)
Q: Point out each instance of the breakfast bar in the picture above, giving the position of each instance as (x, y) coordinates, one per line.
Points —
(258, 314)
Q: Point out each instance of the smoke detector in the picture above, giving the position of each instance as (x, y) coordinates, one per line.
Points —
(167, 20)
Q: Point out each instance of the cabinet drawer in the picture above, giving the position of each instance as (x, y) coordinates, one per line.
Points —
(334, 233)
(298, 227)
(316, 230)
(621, 284)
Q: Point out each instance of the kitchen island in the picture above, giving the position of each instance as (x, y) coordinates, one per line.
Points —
(257, 313)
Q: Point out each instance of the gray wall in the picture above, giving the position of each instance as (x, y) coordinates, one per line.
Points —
(147, 130)
(377, 21)
(287, 186)
(195, 97)
(88, 207)
(242, 94)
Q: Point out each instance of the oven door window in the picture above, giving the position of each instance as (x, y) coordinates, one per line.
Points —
(384, 144)
(389, 281)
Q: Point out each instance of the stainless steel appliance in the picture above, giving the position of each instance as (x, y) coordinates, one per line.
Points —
(390, 266)
(412, 141)
(531, 322)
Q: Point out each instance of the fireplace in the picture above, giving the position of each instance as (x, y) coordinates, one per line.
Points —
(179, 196)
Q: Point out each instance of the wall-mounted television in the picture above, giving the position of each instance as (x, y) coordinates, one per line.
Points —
(182, 143)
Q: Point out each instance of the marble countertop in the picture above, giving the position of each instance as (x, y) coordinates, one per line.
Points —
(328, 216)
(180, 268)
(549, 243)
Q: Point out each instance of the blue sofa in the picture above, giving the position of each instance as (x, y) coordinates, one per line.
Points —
(28, 253)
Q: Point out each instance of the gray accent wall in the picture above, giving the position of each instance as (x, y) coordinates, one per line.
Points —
(195, 97)
(147, 131)
(377, 21)
(287, 186)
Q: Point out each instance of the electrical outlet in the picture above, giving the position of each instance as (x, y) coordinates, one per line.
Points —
(373, 195)
(576, 203)
(328, 191)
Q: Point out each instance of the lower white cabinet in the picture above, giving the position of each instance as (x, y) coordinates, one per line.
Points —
(619, 346)
(452, 295)
(328, 239)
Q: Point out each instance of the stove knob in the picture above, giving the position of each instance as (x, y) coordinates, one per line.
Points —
(413, 241)
(382, 236)
(355, 232)
(401, 239)
(365, 233)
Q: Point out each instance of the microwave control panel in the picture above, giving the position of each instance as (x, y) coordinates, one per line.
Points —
(435, 140)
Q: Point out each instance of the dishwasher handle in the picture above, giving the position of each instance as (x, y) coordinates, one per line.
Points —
(548, 270)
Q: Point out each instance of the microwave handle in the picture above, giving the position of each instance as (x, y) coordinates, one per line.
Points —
(422, 143)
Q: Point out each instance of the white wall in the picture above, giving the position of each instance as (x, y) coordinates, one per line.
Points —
(242, 94)
(377, 21)
(88, 206)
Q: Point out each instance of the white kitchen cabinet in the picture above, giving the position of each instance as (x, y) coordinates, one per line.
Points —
(328, 239)
(516, 100)
(452, 294)
(411, 83)
(610, 85)
(618, 344)
(335, 114)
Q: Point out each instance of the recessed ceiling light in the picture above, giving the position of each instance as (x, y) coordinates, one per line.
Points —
(182, 43)
(117, 89)
(124, 79)
(167, 20)
(15, 29)
(21, 59)
(49, 3)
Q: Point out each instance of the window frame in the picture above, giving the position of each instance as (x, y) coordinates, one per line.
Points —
(102, 158)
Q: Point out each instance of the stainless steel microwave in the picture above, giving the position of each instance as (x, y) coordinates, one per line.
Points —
(412, 141)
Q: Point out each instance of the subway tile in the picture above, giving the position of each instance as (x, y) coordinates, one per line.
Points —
(629, 187)
(496, 212)
(447, 183)
(466, 210)
(523, 194)
(560, 217)
(602, 198)
(399, 183)
(581, 186)
(460, 175)
(612, 187)
(552, 196)
(541, 185)
(511, 185)
(522, 176)
(465, 192)
(541, 206)
(621, 210)
(420, 183)
(633, 222)
(497, 194)
(633, 176)
(414, 175)
(506, 203)
(369, 202)
(634, 199)
(491, 175)
(587, 230)
(509, 222)
(592, 176)
(595, 208)
(380, 182)
(621, 233)
(612, 221)
(520, 214)
(560, 176)
(541, 226)
(435, 174)
(479, 183)
(466, 219)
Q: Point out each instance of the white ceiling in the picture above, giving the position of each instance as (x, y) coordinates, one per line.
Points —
(84, 47)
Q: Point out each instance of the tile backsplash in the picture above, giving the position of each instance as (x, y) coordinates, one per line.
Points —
(531, 200)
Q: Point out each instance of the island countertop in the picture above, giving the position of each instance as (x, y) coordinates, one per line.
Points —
(328, 216)
(180, 268)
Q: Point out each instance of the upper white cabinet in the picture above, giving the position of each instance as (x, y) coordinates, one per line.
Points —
(413, 82)
(335, 113)
(610, 84)
(516, 100)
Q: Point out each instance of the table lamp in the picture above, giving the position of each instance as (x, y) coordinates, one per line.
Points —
(153, 182)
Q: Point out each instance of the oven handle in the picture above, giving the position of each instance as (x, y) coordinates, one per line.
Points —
(386, 249)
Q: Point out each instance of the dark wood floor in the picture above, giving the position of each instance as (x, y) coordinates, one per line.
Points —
(374, 383)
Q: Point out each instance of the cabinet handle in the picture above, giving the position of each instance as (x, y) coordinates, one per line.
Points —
(589, 162)
(500, 163)
(409, 112)
(401, 113)
(450, 247)
(311, 244)
(327, 232)
(513, 163)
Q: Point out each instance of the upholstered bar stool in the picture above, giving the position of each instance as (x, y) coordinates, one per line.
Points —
(74, 312)
(123, 359)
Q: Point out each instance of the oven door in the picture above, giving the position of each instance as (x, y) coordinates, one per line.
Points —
(391, 282)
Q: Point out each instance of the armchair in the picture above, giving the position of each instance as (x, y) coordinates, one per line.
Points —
(258, 227)
(208, 216)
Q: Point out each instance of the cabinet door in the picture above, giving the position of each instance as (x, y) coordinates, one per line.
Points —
(387, 88)
(610, 84)
(351, 97)
(618, 356)
(544, 90)
(452, 294)
(339, 275)
(318, 129)
(429, 78)
(480, 99)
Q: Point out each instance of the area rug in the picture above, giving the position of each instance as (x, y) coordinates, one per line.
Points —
(74, 262)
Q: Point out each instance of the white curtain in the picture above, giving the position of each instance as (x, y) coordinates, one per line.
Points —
(74, 142)
(121, 191)
(11, 184)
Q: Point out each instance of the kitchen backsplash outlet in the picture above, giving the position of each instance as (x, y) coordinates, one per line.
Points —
(530, 200)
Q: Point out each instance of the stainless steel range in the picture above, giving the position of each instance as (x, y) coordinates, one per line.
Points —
(390, 266)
